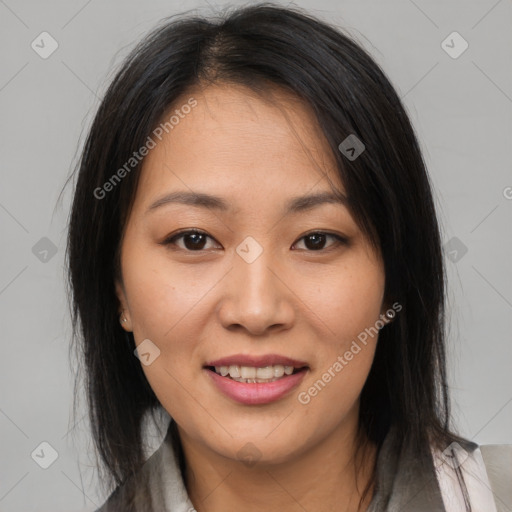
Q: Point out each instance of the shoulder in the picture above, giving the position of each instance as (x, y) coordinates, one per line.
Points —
(136, 493)
(483, 473)
(498, 462)
(127, 497)
(115, 501)
(158, 486)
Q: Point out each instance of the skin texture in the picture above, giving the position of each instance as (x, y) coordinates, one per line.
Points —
(293, 300)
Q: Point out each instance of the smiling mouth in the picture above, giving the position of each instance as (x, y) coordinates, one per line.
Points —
(254, 375)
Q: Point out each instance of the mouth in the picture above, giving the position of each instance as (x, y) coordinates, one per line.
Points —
(253, 380)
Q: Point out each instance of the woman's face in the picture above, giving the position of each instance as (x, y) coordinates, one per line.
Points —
(268, 280)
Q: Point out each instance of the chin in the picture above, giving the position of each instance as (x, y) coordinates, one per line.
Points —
(257, 449)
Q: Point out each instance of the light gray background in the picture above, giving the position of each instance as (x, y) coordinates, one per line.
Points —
(461, 109)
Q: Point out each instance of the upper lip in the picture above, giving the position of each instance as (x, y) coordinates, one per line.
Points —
(256, 361)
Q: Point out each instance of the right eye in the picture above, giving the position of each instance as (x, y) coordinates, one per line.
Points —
(193, 240)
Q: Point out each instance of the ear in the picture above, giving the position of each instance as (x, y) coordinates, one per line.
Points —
(124, 312)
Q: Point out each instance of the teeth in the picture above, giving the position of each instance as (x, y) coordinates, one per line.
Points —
(234, 371)
(251, 374)
(254, 381)
(278, 370)
(224, 370)
(267, 372)
(247, 372)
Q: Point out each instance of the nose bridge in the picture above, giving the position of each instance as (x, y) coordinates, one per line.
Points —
(259, 298)
(252, 266)
(252, 262)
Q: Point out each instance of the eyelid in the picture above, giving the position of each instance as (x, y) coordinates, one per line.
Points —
(340, 239)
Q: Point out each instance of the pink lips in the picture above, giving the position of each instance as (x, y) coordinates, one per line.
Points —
(260, 392)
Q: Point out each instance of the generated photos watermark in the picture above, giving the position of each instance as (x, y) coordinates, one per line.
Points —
(304, 397)
(137, 156)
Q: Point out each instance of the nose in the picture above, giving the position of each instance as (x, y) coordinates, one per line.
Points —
(257, 296)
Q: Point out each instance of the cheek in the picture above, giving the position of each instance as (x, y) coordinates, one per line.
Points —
(347, 302)
(167, 306)
(344, 310)
(331, 395)
(161, 294)
(345, 313)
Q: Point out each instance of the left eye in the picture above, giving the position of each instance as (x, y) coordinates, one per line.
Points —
(195, 240)
(316, 240)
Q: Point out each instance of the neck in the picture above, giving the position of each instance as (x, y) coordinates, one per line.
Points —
(323, 478)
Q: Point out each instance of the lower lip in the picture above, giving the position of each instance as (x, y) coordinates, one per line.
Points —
(258, 392)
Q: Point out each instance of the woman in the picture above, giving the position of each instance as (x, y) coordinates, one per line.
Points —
(253, 248)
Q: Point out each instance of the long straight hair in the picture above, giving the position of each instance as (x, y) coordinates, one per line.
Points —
(262, 47)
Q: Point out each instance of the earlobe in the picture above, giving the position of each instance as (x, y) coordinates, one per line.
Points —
(124, 317)
(124, 320)
(387, 314)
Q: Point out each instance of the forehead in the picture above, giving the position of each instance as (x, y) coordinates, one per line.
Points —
(235, 140)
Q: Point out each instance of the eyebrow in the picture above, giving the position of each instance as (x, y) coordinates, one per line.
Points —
(294, 205)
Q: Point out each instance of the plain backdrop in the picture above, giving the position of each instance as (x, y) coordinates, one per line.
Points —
(460, 105)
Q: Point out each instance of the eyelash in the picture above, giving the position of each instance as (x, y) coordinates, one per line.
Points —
(340, 240)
